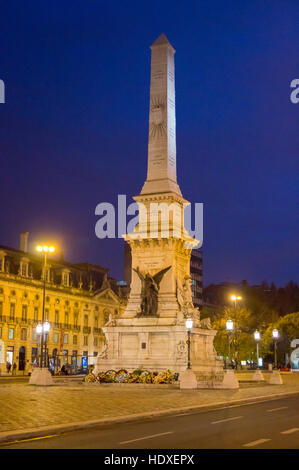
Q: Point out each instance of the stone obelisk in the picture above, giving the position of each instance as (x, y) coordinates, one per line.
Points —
(161, 169)
(151, 332)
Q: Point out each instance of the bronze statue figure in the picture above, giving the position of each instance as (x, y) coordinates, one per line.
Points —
(149, 292)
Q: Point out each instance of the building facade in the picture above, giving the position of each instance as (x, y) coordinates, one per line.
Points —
(79, 300)
(196, 276)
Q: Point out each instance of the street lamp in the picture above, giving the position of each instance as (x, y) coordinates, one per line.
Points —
(42, 376)
(45, 250)
(43, 330)
(258, 373)
(229, 329)
(257, 338)
(189, 326)
(275, 335)
(235, 298)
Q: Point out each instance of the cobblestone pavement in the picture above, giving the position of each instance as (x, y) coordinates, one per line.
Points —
(24, 406)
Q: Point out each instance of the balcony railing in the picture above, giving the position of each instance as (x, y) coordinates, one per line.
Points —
(86, 329)
(96, 330)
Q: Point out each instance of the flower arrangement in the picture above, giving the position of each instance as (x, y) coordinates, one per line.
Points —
(137, 376)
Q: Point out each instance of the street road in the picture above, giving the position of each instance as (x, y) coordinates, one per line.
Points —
(270, 425)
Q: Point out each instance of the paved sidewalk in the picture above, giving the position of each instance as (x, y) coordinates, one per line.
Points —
(29, 408)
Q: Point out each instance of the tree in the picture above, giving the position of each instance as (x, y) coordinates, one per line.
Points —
(242, 340)
(288, 327)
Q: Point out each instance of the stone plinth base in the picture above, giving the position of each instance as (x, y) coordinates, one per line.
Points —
(258, 375)
(41, 377)
(275, 378)
(188, 379)
(157, 348)
(230, 380)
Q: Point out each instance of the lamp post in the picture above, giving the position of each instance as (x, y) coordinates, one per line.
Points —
(229, 380)
(45, 250)
(43, 330)
(42, 376)
(257, 338)
(275, 378)
(235, 298)
(189, 326)
(275, 335)
(229, 329)
(258, 373)
(187, 377)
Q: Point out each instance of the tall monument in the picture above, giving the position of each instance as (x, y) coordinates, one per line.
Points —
(151, 332)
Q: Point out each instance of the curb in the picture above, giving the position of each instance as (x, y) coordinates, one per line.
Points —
(32, 433)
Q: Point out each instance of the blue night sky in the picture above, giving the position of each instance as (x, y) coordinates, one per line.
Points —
(73, 130)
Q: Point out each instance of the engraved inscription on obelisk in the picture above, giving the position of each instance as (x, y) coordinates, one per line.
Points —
(161, 172)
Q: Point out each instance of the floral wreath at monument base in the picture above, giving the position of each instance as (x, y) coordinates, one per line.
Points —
(138, 376)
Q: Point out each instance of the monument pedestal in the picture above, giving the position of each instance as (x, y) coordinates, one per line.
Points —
(158, 347)
(41, 377)
(188, 380)
(258, 375)
(275, 378)
(229, 379)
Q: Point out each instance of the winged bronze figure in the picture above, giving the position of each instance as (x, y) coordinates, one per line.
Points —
(149, 292)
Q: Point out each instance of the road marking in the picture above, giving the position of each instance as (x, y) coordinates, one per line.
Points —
(147, 437)
(277, 409)
(256, 443)
(227, 419)
(31, 439)
(290, 431)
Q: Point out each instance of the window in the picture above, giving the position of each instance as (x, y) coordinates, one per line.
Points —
(34, 355)
(75, 339)
(65, 339)
(56, 337)
(1, 308)
(96, 322)
(24, 312)
(65, 279)
(10, 333)
(66, 317)
(1, 264)
(95, 342)
(95, 353)
(34, 335)
(46, 314)
(35, 314)
(12, 311)
(76, 315)
(85, 320)
(24, 269)
(23, 334)
(85, 341)
(0, 332)
(56, 316)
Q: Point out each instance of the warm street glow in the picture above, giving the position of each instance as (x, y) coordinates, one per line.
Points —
(229, 325)
(235, 297)
(46, 327)
(189, 323)
(257, 335)
(275, 333)
(39, 329)
(45, 249)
